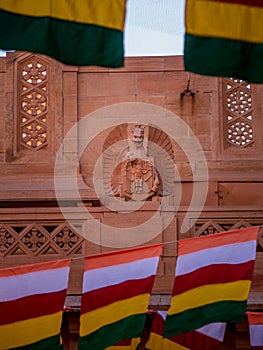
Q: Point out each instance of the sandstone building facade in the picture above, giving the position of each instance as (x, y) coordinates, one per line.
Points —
(208, 133)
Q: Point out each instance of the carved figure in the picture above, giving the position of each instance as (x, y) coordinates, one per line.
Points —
(143, 164)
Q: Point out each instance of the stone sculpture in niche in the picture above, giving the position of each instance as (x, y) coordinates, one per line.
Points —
(138, 162)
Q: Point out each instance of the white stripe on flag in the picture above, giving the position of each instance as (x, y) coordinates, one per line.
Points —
(214, 330)
(227, 254)
(46, 281)
(111, 275)
(256, 334)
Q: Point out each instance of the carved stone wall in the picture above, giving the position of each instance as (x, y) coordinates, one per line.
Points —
(41, 100)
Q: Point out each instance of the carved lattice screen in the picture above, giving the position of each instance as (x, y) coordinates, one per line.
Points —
(33, 102)
(39, 239)
(238, 118)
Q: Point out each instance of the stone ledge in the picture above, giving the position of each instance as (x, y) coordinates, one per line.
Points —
(162, 301)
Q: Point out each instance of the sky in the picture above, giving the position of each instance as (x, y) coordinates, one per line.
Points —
(153, 28)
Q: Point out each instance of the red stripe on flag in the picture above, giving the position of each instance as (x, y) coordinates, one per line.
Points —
(257, 3)
(157, 324)
(31, 307)
(213, 274)
(107, 295)
(197, 341)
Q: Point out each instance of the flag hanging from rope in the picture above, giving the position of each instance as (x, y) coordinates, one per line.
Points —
(255, 321)
(116, 291)
(209, 337)
(79, 32)
(224, 38)
(32, 300)
(212, 280)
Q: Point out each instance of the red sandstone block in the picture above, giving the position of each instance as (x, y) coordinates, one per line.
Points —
(106, 84)
(160, 83)
(170, 232)
(110, 100)
(169, 266)
(206, 143)
(142, 64)
(173, 63)
(202, 106)
(70, 108)
(75, 276)
(88, 105)
(91, 248)
(2, 144)
(156, 240)
(170, 250)
(163, 284)
(2, 64)
(2, 81)
(156, 100)
(92, 69)
(68, 126)
(160, 268)
(70, 83)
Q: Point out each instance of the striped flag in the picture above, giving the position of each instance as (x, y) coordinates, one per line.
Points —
(209, 337)
(128, 344)
(32, 299)
(213, 279)
(255, 321)
(224, 38)
(79, 32)
(116, 291)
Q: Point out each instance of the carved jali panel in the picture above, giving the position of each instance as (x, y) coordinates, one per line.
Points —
(238, 119)
(36, 239)
(33, 102)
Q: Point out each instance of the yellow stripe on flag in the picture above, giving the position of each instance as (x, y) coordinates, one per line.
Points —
(157, 342)
(105, 13)
(30, 331)
(208, 294)
(95, 319)
(224, 20)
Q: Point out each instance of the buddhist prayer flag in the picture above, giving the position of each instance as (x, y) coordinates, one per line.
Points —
(32, 299)
(79, 32)
(116, 292)
(255, 321)
(224, 38)
(128, 344)
(212, 280)
(209, 337)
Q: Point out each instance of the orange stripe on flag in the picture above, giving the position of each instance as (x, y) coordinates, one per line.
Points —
(115, 257)
(255, 317)
(217, 239)
(20, 270)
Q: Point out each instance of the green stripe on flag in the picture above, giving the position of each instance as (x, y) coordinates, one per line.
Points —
(190, 320)
(224, 57)
(69, 42)
(129, 327)
(52, 343)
